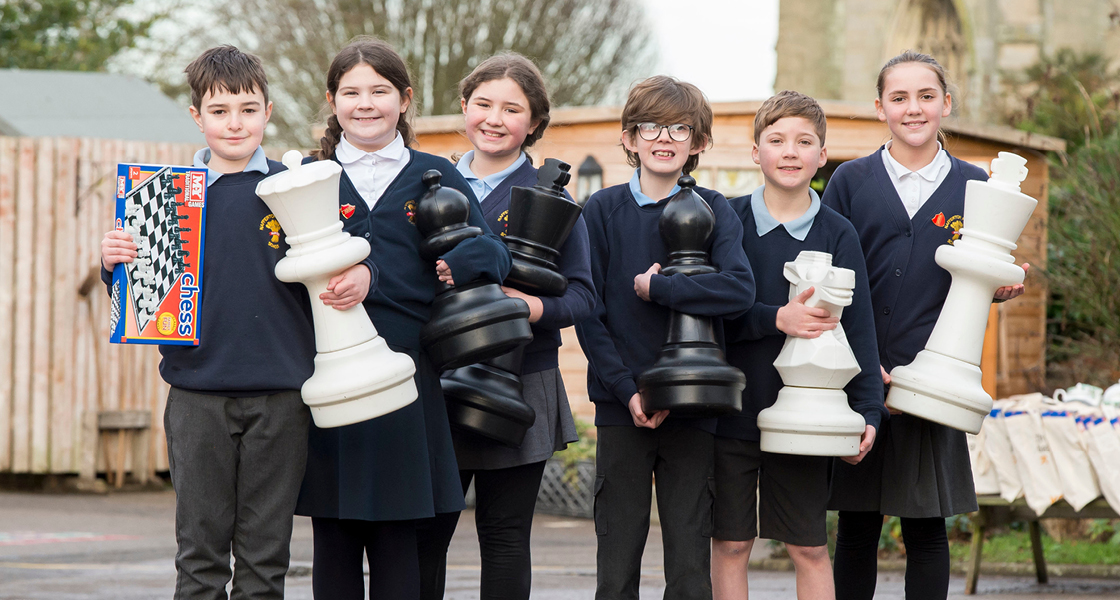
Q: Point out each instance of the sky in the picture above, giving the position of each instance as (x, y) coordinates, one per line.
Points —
(732, 57)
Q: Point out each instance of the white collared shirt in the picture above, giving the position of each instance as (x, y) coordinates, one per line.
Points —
(915, 187)
(258, 162)
(372, 172)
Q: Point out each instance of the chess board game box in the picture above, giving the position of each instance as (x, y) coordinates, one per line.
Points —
(155, 297)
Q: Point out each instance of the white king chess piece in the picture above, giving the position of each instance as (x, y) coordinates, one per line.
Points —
(357, 377)
(811, 415)
(943, 383)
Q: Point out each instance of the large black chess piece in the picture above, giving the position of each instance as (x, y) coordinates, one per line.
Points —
(540, 219)
(485, 399)
(474, 320)
(690, 375)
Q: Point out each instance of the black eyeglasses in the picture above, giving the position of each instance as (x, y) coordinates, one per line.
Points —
(678, 132)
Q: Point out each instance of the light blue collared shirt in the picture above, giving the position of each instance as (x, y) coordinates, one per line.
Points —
(482, 186)
(639, 197)
(258, 162)
(798, 228)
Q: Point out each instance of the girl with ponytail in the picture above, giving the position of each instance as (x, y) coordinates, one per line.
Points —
(366, 484)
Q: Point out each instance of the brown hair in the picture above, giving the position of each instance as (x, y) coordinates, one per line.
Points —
(388, 64)
(225, 68)
(525, 74)
(789, 104)
(910, 56)
(667, 100)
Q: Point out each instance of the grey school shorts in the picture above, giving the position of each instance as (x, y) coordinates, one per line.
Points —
(774, 496)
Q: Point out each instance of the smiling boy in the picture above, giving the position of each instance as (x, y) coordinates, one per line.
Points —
(781, 219)
(666, 124)
(235, 421)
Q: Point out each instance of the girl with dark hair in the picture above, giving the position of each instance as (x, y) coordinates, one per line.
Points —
(906, 200)
(366, 484)
(506, 108)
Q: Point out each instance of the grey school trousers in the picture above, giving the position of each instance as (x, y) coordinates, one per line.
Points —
(627, 459)
(237, 465)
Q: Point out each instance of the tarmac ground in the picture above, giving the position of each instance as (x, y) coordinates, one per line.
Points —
(121, 546)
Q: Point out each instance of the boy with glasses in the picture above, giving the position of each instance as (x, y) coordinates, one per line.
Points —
(666, 124)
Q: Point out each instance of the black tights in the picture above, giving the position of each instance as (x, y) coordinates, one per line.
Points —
(857, 545)
(390, 547)
(504, 502)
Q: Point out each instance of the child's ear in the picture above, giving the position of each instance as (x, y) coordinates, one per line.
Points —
(406, 100)
(533, 126)
(754, 155)
(628, 141)
(824, 157)
(268, 112)
(948, 105)
(879, 110)
(699, 145)
(463, 105)
(330, 100)
(197, 116)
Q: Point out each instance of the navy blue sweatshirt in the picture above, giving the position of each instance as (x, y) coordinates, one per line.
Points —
(559, 312)
(623, 336)
(255, 331)
(400, 304)
(907, 287)
(754, 341)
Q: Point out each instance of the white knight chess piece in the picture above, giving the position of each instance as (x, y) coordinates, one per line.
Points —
(811, 415)
(943, 383)
(357, 377)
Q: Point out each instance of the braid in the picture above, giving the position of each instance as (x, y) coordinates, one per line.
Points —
(330, 139)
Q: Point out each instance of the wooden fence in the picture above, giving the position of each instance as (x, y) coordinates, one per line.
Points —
(56, 363)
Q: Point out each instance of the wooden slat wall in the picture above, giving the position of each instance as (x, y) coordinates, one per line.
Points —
(57, 198)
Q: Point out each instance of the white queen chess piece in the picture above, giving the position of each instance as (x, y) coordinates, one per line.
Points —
(357, 377)
(811, 415)
(943, 383)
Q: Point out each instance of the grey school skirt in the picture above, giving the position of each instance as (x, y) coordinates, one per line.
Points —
(917, 469)
(552, 430)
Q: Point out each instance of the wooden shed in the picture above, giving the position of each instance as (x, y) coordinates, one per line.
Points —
(1015, 346)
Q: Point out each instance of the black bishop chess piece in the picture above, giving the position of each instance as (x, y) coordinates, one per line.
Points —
(473, 320)
(485, 399)
(690, 375)
(540, 219)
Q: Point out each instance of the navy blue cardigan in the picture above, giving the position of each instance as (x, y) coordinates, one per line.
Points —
(623, 336)
(558, 312)
(907, 287)
(255, 334)
(754, 341)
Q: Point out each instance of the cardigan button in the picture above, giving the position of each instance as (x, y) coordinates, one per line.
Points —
(907, 233)
(367, 234)
(898, 272)
(886, 310)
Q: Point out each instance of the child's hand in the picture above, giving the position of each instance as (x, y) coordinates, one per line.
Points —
(640, 418)
(444, 273)
(117, 247)
(641, 282)
(348, 288)
(799, 320)
(536, 307)
(1008, 292)
(886, 376)
(866, 441)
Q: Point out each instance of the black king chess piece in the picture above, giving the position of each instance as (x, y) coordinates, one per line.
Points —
(690, 375)
(540, 219)
(485, 399)
(474, 320)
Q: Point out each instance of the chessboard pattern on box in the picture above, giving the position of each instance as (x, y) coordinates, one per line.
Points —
(156, 295)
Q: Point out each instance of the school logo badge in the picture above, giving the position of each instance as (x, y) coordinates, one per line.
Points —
(410, 211)
(270, 223)
(939, 219)
(346, 210)
(954, 224)
(504, 220)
